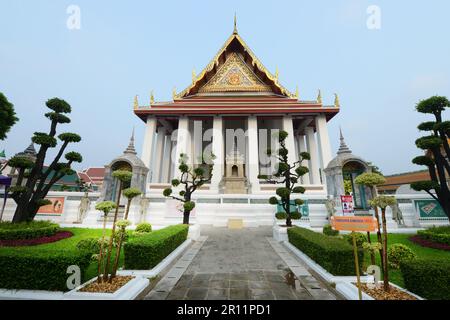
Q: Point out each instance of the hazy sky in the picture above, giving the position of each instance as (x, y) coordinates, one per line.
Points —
(131, 47)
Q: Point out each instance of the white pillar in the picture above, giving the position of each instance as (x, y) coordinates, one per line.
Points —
(218, 151)
(167, 160)
(159, 154)
(183, 138)
(314, 162)
(323, 140)
(290, 140)
(302, 148)
(253, 155)
(147, 148)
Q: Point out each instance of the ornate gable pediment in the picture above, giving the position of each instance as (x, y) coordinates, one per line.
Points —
(234, 75)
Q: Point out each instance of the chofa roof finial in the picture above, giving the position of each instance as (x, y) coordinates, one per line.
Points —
(136, 102)
(152, 98)
(319, 97)
(235, 24)
(337, 104)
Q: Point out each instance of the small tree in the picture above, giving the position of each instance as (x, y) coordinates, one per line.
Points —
(7, 116)
(190, 180)
(122, 176)
(383, 202)
(436, 146)
(122, 224)
(130, 194)
(105, 207)
(372, 180)
(30, 196)
(288, 175)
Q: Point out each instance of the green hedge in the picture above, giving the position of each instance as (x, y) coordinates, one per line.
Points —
(27, 230)
(145, 251)
(429, 279)
(334, 254)
(436, 234)
(39, 270)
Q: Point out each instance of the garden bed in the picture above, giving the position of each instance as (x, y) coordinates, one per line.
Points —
(419, 240)
(106, 286)
(378, 293)
(60, 235)
(27, 230)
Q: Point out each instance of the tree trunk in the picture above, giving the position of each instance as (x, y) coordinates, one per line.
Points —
(186, 215)
(116, 260)
(385, 262)
(100, 256)
(372, 255)
(379, 238)
(127, 210)
(113, 231)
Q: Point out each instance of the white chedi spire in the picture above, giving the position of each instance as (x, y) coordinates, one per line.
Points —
(343, 148)
(130, 148)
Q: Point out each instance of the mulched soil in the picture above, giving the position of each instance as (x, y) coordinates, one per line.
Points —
(33, 242)
(378, 293)
(428, 243)
(106, 287)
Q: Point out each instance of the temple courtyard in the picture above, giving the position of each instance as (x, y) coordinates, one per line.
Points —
(243, 264)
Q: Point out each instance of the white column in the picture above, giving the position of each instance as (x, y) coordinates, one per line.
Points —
(159, 150)
(302, 148)
(253, 155)
(218, 151)
(290, 140)
(147, 148)
(323, 140)
(314, 162)
(183, 139)
(167, 160)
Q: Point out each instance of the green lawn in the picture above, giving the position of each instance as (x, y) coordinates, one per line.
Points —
(395, 276)
(70, 244)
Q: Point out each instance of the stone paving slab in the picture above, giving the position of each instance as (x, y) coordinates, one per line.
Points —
(242, 264)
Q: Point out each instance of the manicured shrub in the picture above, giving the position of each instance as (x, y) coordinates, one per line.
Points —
(146, 251)
(399, 252)
(27, 230)
(334, 254)
(39, 270)
(427, 278)
(436, 234)
(282, 215)
(360, 238)
(329, 231)
(91, 245)
(143, 227)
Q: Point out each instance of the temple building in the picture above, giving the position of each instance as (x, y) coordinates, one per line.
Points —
(232, 109)
(235, 91)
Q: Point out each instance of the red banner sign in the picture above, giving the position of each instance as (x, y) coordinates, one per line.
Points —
(347, 204)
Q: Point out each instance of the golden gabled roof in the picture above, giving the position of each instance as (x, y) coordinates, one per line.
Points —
(215, 63)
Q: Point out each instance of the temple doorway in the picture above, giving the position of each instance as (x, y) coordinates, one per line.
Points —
(350, 171)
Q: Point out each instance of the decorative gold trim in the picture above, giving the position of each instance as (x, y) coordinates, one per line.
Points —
(255, 62)
(174, 93)
(297, 95)
(152, 98)
(337, 103)
(136, 102)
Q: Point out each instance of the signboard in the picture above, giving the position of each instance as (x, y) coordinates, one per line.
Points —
(429, 209)
(55, 208)
(347, 204)
(354, 223)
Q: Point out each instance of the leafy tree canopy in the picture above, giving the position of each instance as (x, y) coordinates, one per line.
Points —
(434, 104)
(131, 193)
(105, 206)
(370, 179)
(122, 175)
(58, 105)
(383, 201)
(7, 116)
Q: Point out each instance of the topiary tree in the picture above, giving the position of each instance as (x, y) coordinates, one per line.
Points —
(287, 174)
(130, 194)
(122, 224)
(29, 195)
(372, 180)
(105, 207)
(190, 180)
(383, 202)
(123, 176)
(436, 146)
(7, 116)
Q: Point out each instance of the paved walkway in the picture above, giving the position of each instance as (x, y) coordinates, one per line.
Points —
(239, 264)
